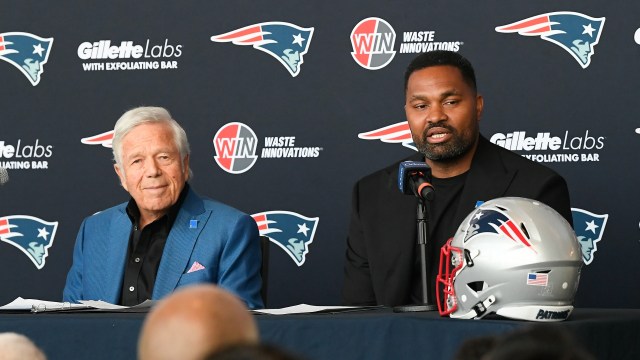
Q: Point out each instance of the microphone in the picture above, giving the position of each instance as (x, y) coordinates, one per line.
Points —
(412, 179)
(4, 176)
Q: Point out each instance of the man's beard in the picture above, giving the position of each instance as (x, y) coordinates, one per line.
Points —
(456, 147)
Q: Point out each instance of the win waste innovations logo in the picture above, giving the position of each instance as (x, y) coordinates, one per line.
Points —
(373, 40)
(235, 144)
(236, 147)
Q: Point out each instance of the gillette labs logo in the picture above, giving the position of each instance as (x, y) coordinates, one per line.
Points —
(568, 148)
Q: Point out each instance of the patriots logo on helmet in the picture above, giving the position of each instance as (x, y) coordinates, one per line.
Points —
(31, 235)
(576, 33)
(27, 52)
(284, 41)
(496, 221)
(103, 139)
(589, 228)
(291, 231)
(395, 133)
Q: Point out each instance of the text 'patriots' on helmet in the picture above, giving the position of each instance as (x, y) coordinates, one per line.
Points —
(514, 257)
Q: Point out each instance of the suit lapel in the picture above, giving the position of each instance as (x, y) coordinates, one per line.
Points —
(180, 244)
(119, 231)
(488, 179)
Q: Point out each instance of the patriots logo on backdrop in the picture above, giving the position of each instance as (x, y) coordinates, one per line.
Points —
(286, 42)
(589, 228)
(395, 133)
(291, 231)
(27, 52)
(576, 33)
(103, 139)
(31, 235)
(497, 222)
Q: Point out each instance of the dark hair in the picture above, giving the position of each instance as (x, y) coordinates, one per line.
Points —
(438, 58)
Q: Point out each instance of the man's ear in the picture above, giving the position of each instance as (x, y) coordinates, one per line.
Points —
(185, 167)
(121, 176)
(479, 106)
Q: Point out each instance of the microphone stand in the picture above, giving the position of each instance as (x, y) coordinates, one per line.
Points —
(422, 219)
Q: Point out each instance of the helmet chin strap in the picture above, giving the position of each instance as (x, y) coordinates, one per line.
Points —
(478, 309)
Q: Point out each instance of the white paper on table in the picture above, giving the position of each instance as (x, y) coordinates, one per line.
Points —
(99, 304)
(28, 304)
(103, 305)
(303, 309)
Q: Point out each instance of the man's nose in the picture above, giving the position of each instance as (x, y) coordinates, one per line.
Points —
(152, 169)
(435, 114)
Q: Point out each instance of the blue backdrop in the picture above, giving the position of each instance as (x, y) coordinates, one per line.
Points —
(282, 102)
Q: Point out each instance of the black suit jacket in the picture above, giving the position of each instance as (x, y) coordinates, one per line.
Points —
(382, 232)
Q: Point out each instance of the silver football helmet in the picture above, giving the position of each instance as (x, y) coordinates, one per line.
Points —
(511, 256)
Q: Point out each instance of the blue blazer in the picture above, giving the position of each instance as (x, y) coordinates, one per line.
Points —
(224, 240)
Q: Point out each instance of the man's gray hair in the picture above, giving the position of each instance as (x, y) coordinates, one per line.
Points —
(145, 115)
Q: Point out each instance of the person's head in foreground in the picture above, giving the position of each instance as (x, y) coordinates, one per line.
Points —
(194, 322)
(18, 347)
(253, 352)
(538, 343)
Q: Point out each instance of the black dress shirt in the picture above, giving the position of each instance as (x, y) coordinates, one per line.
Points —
(145, 252)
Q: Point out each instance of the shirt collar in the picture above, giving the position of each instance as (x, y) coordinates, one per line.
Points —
(134, 212)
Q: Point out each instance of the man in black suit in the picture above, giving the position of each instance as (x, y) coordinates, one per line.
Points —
(443, 109)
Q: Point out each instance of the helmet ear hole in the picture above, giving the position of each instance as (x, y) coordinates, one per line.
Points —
(477, 286)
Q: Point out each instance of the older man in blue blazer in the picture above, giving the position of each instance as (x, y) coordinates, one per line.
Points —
(166, 236)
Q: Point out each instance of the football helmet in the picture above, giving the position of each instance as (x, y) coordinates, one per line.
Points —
(511, 256)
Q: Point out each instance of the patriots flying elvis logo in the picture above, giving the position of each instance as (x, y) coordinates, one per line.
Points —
(103, 139)
(31, 235)
(395, 133)
(495, 221)
(286, 42)
(27, 52)
(589, 228)
(577, 33)
(289, 230)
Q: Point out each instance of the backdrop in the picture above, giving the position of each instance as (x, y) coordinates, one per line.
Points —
(288, 103)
